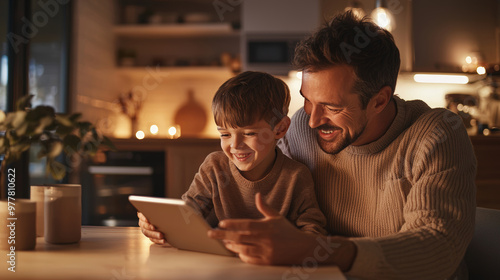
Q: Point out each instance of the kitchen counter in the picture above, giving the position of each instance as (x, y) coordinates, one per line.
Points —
(124, 253)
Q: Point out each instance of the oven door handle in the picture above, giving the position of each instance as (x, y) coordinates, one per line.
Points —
(121, 170)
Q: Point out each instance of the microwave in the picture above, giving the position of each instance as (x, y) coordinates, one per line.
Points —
(271, 53)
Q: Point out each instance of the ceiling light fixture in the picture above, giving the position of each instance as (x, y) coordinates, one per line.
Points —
(383, 16)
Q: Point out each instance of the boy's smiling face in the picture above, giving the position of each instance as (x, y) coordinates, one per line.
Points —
(251, 148)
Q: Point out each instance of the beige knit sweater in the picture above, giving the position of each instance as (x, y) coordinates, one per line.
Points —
(406, 200)
(219, 192)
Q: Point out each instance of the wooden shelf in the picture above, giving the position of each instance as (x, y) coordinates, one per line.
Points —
(177, 71)
(161, 144)
(177, 30)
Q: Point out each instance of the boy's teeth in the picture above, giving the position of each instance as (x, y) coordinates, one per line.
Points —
(241, 155)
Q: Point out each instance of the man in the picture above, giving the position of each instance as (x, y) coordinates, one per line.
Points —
(394, 178)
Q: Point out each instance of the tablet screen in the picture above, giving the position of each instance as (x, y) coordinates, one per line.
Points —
(183, 227)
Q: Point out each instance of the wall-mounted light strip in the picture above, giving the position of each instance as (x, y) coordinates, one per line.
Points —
(441, 79)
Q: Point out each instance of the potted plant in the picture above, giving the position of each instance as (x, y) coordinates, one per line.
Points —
(55, 133)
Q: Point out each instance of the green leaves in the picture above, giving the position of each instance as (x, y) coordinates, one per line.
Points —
(55, 133)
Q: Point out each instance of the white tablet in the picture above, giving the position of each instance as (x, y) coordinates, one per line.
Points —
(182, 226)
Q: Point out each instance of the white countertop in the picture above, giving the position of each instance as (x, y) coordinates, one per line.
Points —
(124, 253)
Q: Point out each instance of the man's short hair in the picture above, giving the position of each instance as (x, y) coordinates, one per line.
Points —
(250, 97)
(360, 43)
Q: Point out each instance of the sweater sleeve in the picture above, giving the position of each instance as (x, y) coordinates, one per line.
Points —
(305, 208)
(199, 194)
(438, 214)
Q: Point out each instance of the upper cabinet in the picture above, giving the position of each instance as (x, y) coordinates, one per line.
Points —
(445, 32)
(174, 33)
(272, 29)
(280, 16)
(437, 36)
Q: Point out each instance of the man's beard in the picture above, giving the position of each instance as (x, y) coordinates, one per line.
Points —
(340, 142)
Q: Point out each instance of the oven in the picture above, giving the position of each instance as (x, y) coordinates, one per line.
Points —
(118, 174)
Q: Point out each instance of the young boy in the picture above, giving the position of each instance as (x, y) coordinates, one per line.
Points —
(250, 112)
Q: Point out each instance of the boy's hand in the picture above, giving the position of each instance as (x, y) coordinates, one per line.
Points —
(149, 230)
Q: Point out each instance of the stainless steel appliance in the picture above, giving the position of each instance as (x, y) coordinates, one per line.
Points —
(271, 53)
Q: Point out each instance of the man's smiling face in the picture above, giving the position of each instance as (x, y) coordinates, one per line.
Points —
(335, 111)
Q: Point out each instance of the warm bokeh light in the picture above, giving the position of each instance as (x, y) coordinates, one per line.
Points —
(468, 59)
(481, 70)
(383, 18)
(153, 129)
(172, 131)
(140, 135)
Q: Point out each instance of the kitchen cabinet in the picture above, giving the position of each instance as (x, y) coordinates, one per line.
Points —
(271, 31)
(183, 162)
(437, 36)
(446, 32)
(281, 16)
(487, 150)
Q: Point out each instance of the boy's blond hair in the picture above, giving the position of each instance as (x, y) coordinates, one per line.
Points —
(250, 97)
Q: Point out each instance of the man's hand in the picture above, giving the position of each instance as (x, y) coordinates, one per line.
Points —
(149, 230)
(273, 240)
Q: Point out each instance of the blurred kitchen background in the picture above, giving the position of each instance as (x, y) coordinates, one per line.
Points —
(145, 71)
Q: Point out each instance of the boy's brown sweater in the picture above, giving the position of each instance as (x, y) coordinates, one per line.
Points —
(219, 192)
